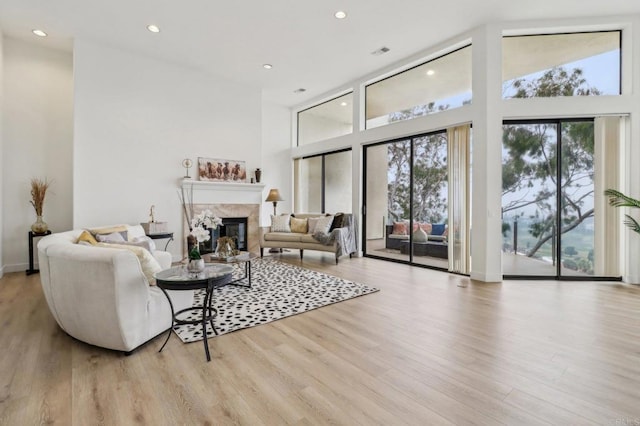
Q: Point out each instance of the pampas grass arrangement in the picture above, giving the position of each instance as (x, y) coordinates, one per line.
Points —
(39, 189)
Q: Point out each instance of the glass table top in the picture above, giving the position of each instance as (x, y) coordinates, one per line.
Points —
(180, 273)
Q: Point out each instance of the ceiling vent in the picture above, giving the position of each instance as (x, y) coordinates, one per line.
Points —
(380, 51)
(300, 90)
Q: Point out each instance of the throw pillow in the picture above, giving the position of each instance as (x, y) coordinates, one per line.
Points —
(149, 264)
(437, 229)
(298, 225)
(338, 221)
(86, 237)
(399, 228)
(280, 223)
(110, 238)
(311, 224)
(323, 225)
(145, 242)
(121, 229)
(426, 227)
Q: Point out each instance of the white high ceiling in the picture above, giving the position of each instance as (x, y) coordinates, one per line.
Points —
(307, 46)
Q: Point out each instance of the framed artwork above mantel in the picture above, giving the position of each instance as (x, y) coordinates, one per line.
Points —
(218, 170)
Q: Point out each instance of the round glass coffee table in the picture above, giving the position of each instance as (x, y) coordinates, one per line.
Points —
(178, 278)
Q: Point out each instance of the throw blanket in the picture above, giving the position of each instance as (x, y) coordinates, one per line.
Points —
(345, 236)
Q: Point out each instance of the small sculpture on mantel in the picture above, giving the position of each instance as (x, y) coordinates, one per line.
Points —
(187, 163)
(152, 218)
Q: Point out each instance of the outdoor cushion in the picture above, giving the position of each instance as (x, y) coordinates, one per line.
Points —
(437, 229)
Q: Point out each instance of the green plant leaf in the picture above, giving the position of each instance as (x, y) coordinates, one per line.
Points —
(632, 224)
(618, 199)
(194, 254)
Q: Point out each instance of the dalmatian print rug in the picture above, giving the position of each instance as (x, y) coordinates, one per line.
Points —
(278, 290)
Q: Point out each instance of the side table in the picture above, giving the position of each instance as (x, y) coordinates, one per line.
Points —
(33, 235)
(161, 236)
(178, 278)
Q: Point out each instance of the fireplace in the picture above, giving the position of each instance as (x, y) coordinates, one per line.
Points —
(240, 220)
(235, 227)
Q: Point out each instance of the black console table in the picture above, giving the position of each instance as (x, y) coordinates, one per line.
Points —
(33, 235)
(160, 236)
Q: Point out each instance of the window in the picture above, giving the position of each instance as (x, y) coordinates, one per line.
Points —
(437, 85)
(325, 121)
(323, 183)
(577, 64)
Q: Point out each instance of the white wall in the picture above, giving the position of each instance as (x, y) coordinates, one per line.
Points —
(1, 149)
(136, 119)
(37, 137)
(277, 170)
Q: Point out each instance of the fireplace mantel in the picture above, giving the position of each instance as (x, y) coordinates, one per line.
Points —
(201, 185)
(205, 192)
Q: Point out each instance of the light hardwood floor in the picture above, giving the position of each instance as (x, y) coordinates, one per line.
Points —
(429, 348)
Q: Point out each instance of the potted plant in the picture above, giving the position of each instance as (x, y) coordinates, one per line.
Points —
(618, 199)
(199, 230)
(39, 189)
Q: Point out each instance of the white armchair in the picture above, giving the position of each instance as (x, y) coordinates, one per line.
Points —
(101, 296)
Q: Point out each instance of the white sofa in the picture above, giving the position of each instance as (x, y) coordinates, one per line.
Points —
(101, 296)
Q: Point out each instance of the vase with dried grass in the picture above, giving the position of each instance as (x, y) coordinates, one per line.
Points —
(39, 189)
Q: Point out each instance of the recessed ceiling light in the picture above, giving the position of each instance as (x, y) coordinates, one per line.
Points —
(343, 104)
(267, 66)
(300, 90)
(39, 33)
(430, 72)
(340, 14)
(153, 28)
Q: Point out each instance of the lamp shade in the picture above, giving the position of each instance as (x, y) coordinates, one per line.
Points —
(274, 195)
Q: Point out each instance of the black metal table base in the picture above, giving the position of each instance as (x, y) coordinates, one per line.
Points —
(247, 277)
(208, 314)
(208, 311)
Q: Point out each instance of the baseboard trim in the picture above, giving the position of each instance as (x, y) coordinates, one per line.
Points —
(487, 278)
(631, 279)
(18, 267)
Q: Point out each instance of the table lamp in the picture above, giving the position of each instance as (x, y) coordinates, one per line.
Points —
(274, 197)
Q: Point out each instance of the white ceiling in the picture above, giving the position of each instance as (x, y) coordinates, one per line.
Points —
(307, 46)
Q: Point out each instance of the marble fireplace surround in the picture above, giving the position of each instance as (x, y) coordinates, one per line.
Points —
(227, 200)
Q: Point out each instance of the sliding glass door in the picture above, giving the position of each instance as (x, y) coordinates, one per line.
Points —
(548, 199)
(407, 200)
(387, 200)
